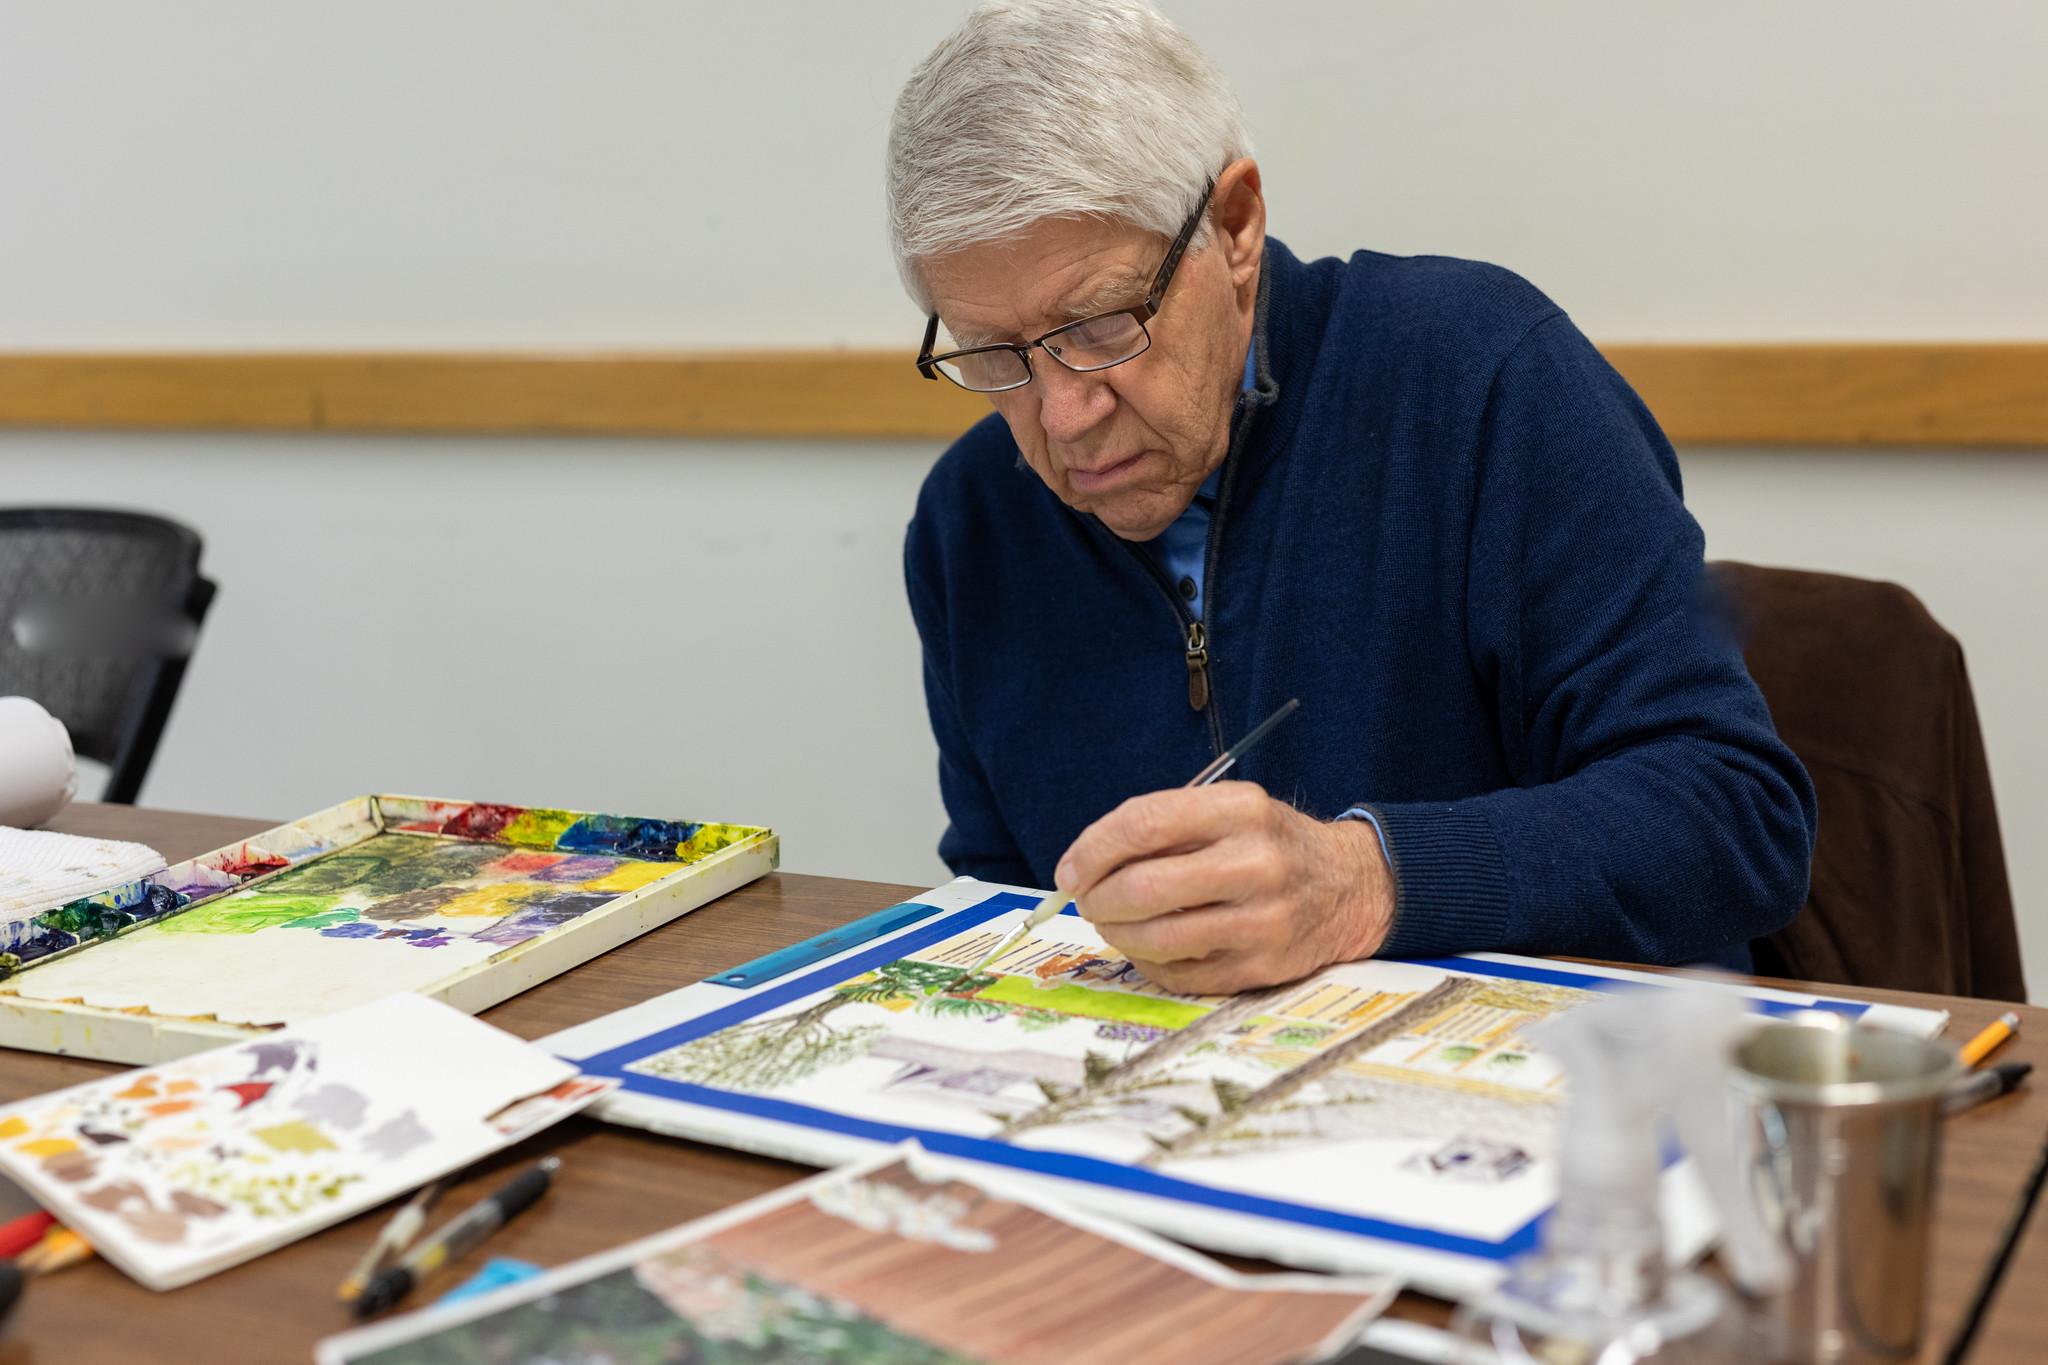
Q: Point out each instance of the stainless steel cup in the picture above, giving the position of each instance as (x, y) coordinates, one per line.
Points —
(1845, 1135)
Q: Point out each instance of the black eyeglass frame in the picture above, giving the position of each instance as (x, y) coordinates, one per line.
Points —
(927, 363)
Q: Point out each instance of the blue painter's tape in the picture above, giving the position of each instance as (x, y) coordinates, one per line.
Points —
(797, 956)
(1553, 976)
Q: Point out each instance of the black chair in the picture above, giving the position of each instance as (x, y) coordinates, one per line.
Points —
(99, 612)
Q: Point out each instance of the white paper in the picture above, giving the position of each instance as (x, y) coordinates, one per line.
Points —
(181, 1170)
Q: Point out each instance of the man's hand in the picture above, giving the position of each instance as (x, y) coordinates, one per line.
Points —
(1213, 890)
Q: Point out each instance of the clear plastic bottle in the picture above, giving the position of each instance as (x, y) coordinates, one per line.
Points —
(1601, 1290)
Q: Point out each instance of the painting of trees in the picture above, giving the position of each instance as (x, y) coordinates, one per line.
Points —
(768, 1053)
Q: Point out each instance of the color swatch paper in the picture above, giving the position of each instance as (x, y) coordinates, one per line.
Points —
(184, 1169)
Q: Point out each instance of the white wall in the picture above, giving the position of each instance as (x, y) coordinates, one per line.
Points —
(229, 173)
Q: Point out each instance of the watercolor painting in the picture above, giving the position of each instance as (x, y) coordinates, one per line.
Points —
(380, 895)
(898, 1262)
(1377, 1115)
(180, 1170)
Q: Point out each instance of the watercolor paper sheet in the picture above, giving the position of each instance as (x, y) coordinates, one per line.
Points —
(1378, 1116)
(181, 1170)
(903, 1260)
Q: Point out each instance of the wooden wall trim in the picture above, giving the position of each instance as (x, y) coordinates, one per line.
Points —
(1979, 394)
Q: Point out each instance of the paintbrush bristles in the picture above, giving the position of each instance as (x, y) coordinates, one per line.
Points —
(1040, 913)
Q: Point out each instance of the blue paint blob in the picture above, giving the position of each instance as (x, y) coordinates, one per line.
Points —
(358, 929)
(162, 900)
(654, 840)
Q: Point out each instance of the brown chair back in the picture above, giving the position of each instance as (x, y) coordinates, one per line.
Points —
(1909, 886)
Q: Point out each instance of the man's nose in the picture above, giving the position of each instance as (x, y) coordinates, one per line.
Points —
(1069, 404)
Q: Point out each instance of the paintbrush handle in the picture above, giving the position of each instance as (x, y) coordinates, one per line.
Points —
(1227, 760)
(1047, 908)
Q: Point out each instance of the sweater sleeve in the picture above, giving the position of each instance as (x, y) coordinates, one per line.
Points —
(1656, 816)
(977, 841)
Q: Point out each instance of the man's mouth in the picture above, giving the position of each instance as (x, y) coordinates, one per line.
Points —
(1103, 477)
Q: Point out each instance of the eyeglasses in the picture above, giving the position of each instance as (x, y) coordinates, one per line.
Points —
(1093, 343)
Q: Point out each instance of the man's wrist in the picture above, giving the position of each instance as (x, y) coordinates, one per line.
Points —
(1369, 879)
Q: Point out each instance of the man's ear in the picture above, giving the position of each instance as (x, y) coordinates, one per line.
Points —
(1238, 213)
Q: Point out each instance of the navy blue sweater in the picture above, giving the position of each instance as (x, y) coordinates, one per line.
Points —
(1452, 530)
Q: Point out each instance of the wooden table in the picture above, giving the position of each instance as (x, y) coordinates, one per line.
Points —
(618, 1184)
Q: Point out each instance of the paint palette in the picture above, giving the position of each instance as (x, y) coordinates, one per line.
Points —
(461, 901)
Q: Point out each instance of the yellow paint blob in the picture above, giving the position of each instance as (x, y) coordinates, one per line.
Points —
(296, 1136)
(47, 1147)
(628, 877)
(538, 827)
(13, 1127)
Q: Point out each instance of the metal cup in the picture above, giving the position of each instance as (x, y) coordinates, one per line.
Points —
(1845, 1135)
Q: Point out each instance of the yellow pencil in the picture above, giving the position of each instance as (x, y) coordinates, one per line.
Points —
(1986, 1043)
(59, 1248)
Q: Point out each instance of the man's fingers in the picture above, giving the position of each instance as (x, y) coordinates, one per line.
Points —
(1193, 935)
(1230, 870)
(1155, 823)
(1223, 974)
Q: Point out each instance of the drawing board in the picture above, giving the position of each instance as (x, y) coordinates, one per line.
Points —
(1377, 1116)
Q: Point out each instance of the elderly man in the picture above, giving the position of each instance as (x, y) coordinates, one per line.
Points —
(1404, 490)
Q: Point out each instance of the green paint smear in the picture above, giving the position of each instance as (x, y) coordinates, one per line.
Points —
(247, 913)
(341, 916)
(1120, 1006)
(85, 918)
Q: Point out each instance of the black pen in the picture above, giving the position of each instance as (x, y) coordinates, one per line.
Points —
(1987, 1084)
(456, 1237)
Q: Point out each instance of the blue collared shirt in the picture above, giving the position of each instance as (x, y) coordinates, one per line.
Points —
(1182, 550)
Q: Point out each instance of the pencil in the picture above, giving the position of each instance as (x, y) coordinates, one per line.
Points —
(59, 1248)
(1986, 1043)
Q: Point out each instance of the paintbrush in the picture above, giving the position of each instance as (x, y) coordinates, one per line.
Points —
(398, 1234)
(1220, 765)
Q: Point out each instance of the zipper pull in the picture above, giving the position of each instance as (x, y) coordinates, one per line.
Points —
(1198, 666)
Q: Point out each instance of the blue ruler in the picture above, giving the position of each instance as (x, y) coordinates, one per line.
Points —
(797, 956)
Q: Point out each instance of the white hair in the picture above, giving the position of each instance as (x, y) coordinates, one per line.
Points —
(1041, 109)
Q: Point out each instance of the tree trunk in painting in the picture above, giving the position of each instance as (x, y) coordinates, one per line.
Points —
(1216, 1127)
(1147, 1061)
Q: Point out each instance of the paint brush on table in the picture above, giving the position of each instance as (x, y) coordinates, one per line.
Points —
(456, 1238)
(1220, 765)
(397, 1235)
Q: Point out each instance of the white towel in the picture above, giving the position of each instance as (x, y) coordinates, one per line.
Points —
(40, 870)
